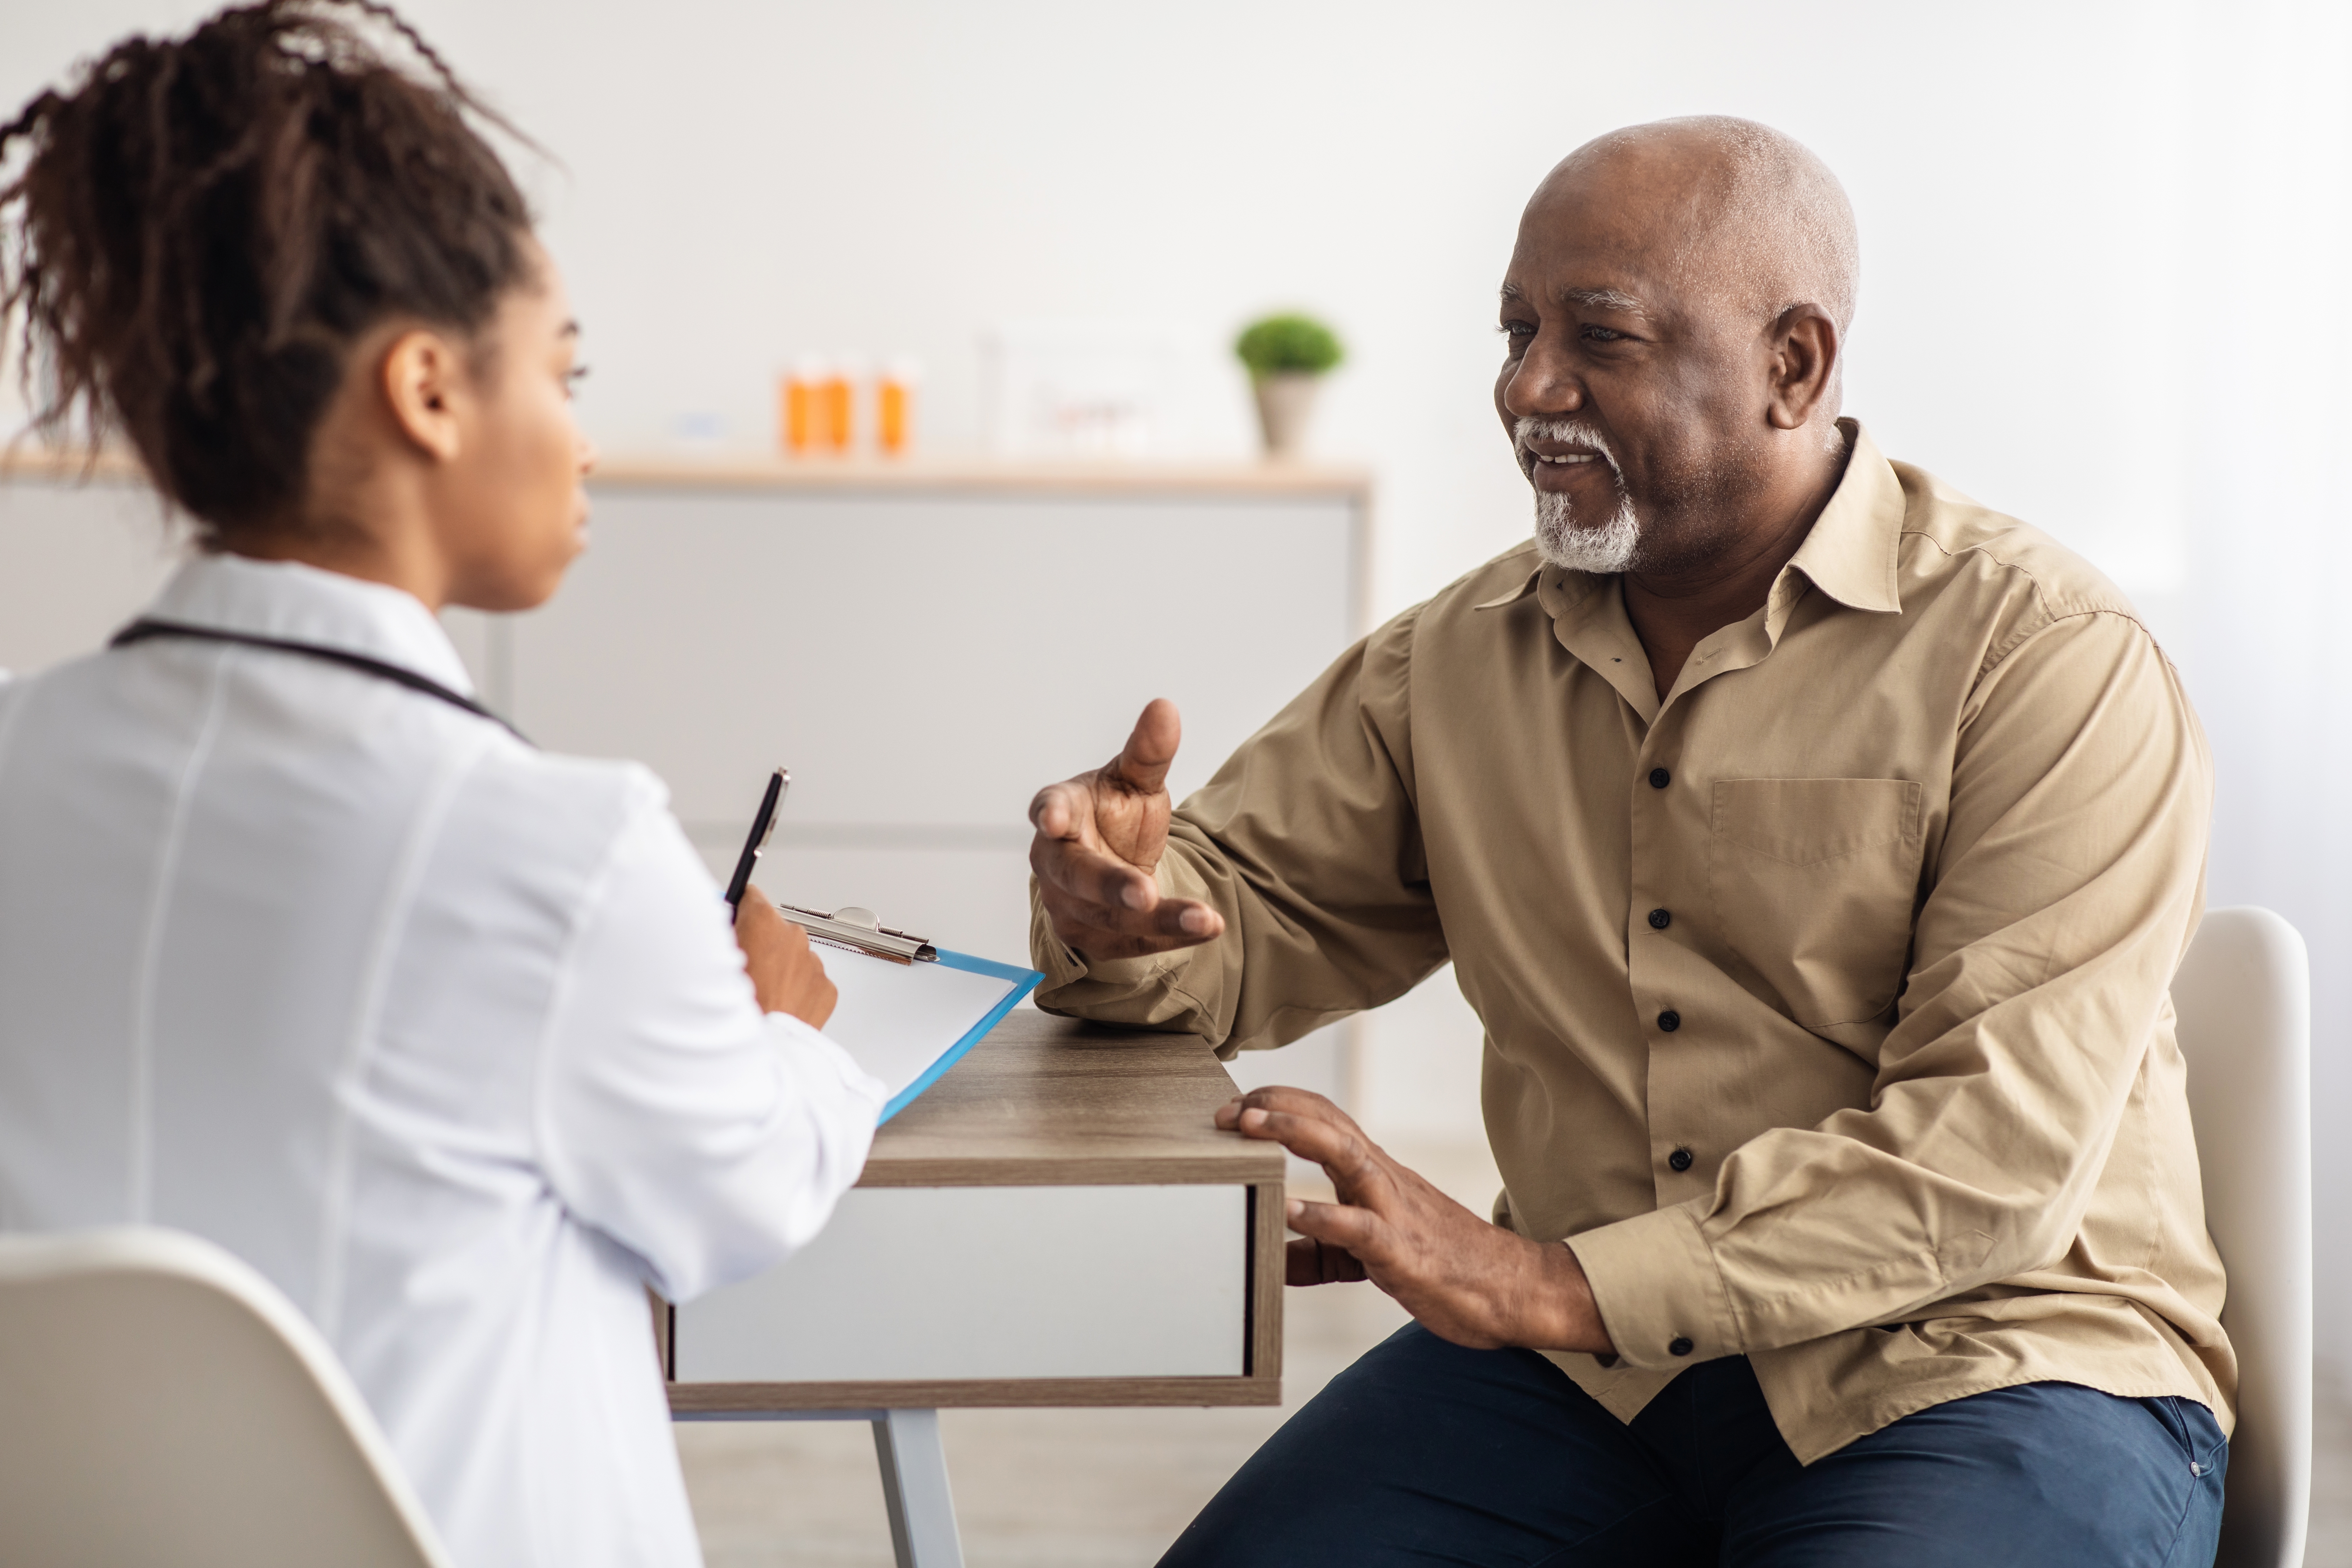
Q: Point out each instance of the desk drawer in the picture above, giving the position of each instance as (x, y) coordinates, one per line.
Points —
(950, 1283)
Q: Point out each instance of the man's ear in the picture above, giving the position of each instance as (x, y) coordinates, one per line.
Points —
(425, 380)
(1805, 348)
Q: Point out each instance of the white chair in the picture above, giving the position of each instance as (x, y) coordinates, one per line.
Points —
(162, 1404)
(2244, 995)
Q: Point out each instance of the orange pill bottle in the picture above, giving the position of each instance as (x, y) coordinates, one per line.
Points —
(800, 428)
(894, 407)
(836, 423)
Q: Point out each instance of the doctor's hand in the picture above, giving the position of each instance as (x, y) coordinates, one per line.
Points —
(787, 974)
(1098, 841)
(1462, 1278)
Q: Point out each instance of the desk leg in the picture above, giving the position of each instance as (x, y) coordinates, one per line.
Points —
(915, 1486)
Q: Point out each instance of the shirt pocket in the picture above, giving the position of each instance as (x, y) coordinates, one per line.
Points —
(1814, 882)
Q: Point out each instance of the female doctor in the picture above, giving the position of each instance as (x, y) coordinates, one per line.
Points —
(300, 949)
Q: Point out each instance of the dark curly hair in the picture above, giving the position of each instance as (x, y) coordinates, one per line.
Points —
(205, 225)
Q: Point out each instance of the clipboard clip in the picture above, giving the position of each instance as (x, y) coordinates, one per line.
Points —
(862, 930)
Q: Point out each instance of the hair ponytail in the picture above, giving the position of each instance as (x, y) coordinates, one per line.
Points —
(205, 225)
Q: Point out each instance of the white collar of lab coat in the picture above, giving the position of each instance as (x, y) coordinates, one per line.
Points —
(303, 603)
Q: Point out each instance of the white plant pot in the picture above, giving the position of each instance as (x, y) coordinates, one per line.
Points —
(1286, 403)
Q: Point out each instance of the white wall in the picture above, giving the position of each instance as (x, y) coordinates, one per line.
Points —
(2104, 246)
(743, 181)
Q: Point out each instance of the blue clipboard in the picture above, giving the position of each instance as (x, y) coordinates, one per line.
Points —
(1023, 980)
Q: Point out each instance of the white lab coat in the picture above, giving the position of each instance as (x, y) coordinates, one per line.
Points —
(445, 1035)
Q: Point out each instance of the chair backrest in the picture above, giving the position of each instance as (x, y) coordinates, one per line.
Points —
(161, 1403)
(2244, 997)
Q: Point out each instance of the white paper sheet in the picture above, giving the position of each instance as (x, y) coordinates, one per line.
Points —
(897, 1019)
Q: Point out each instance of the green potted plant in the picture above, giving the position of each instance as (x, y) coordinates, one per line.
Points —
(1286, 356)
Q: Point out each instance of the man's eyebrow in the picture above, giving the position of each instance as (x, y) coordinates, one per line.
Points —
(1602, 299)
(1510, 291)
(569, 330)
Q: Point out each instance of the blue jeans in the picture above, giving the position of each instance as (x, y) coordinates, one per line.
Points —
(1423, 1452)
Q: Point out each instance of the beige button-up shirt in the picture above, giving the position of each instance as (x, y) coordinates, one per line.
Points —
(1825, 1000)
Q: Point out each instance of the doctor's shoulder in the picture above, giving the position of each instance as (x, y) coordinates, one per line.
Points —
(552, 810)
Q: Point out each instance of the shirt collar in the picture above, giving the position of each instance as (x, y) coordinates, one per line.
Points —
(287, 600)
(1850, 553)
(1513, 595)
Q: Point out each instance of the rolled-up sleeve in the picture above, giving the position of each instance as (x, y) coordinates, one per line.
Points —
(2068, 881)
(710, 1141)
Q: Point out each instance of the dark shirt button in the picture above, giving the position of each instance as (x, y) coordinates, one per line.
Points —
(1680, 1346)
(1659, 778)
(1660, 919)
(1680, 1159)
(1670, 1020)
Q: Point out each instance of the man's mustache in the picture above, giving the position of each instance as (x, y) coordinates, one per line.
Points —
(1566, 431)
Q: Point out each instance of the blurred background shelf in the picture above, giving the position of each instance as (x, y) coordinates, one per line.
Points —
(985, 476)
(757, 471)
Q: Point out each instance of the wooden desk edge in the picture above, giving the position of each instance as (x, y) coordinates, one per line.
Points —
(1052, 1101)
(723, 1401)
(1075, 1171)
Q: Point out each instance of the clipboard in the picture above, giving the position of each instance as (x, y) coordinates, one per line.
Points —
(861, 930)
(908, 1009)
(907, 1023)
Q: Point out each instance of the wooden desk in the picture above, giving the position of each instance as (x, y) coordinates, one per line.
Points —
(1050, 1225)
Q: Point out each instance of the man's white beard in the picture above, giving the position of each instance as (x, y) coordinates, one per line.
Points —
(1600, 549)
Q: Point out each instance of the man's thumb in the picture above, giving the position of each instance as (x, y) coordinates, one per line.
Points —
(1143, 764)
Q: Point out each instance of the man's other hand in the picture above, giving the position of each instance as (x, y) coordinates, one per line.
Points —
(1462, 1278)
(787, 974)
(1098, 844)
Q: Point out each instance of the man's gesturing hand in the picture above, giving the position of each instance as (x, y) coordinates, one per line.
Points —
(1465, 1279)
(1098, 841)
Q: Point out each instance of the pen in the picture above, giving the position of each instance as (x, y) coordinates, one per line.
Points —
(763, 827)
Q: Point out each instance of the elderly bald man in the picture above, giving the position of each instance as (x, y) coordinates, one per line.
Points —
(1817, 846)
